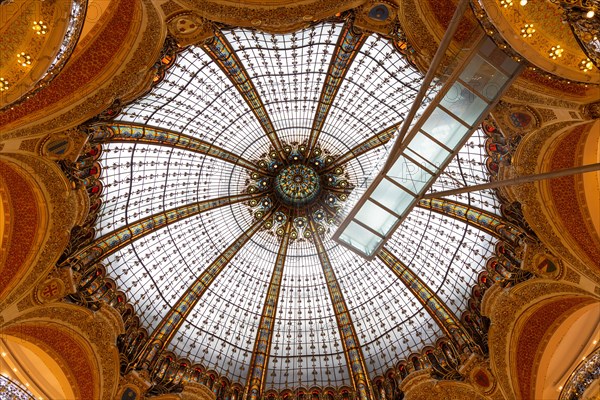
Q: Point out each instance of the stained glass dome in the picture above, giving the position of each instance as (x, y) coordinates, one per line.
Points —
(250, 146)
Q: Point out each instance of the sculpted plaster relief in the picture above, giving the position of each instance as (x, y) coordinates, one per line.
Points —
(137, 46)
(525, 162)
(270, 16)
(505, 307)
(62, 203)
(83, 341)
(188, 28)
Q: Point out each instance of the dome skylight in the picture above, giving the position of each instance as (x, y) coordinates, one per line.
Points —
(250, 146)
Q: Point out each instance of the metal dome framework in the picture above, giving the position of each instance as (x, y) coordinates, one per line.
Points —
(214, 276)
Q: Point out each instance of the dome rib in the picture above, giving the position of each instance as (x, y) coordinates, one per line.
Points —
(349, 43)
(168, 327)
(436, 308)
(476, 217)
(350, 343)
(116, 240)
(260, 355)
(220, 50)
(123, 133)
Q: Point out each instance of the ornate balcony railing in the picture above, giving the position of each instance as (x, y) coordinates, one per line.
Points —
(76, 19)
(582, 378)
(10, 389)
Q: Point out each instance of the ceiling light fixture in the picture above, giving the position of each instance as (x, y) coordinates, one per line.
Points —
(556, 52)
(527, 31)
(586, 65)
(23, 59)
(40, 27)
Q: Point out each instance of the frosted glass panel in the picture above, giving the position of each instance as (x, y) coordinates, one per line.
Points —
(392, 197)
(444, 128)
(463, 103)
(483, 77)
(360, 238)
(409, 174)
(430, 150)
(376, 217)
(420, 159)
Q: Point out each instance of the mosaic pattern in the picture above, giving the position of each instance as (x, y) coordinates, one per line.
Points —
(297, 185)
(302, 191)
(483, 220)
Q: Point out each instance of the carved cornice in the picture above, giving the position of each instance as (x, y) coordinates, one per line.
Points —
(269, 16)
(420, 386)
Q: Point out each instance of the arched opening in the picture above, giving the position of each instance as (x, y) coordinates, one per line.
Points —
(34, 368)
(22, 224)
(570, 343)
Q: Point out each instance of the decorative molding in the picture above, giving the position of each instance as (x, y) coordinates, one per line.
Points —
(420, 386)
(504, 307)
(270, 16)
(63, 207)
(572, 276)
(125, 84)
(526, 161)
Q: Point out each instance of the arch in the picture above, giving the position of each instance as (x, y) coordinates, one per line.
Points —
(564, 199)
(567, 346)
(38, 208)
(34, 367)
(22, 223)
(559, 223)
(523, 320)
(81, 342)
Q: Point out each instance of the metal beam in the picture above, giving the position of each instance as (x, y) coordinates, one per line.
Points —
(220, 50)
(116, 240)
(264, 336)
(518, 181)
(348, 45)
(371, 143)
(355, 359)
(125, 133)
(439, 55)
(442, 315)
(170, 324)
(481, 219)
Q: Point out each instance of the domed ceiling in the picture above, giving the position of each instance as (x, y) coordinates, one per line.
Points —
(279, 131)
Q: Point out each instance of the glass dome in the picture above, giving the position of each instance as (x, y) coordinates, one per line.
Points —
(296, 123)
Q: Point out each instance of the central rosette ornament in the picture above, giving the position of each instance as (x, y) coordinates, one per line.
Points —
(297, 185)
(308, 191)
